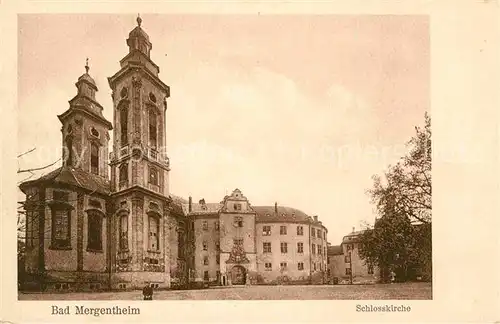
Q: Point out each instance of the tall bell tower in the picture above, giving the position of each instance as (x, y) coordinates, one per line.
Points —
(140, 168)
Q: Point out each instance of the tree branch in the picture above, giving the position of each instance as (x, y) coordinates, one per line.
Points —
(37, 169)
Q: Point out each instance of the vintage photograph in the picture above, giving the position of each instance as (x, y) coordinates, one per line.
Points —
(224, 157)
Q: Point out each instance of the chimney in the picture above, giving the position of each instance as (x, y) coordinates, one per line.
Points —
(190, 204)
(353, 229)
(203, 204)
(276, 207)
(315, 218)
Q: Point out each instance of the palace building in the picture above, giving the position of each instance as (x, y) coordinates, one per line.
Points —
(106, 219)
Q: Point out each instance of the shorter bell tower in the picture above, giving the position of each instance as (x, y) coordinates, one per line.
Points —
(85, 131)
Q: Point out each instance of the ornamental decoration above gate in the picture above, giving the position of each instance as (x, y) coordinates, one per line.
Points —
(238, 254)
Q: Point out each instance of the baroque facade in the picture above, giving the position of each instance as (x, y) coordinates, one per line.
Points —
(107, 220)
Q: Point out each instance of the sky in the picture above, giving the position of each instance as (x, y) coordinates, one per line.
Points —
(298, 110)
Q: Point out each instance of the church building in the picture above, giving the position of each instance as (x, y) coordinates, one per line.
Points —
(106, 219)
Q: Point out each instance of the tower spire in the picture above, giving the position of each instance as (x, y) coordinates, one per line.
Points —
(87, 68)
(139, 20)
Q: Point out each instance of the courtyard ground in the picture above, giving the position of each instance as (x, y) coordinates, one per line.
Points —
(408, 291)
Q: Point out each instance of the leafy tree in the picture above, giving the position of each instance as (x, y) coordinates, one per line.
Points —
(400, 239)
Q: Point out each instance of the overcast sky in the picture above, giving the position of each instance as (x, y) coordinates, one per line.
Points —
(299, 110)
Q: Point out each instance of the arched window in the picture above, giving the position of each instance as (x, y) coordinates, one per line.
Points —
(123, 174)
(94, 158)
(61, 221)
(124, 232)
(154, 232)
(94, 230)
(123, 125)
(153, 129)
(69, 147)
(153, 176)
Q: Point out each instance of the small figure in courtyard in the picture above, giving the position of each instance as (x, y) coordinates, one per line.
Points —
(147, 291)
(393, 277)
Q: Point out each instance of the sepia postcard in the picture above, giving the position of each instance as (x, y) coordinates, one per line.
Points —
(280, 163)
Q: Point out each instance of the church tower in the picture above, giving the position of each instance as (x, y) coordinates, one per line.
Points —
(85, 130)
(139, 169)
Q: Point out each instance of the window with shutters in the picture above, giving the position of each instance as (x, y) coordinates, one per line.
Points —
(284, 247)
(300, 230)
(282, 230)
(300, 266)
(266, 230)
(313, 248)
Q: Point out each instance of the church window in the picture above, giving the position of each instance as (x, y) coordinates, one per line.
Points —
(153, 129)
(61, 227)
(124, 232)
(69, 147)
(94, 132)
(94, 231)
(124, 92)
(94, 158)
(153, 176)
(154, 231)
(123, 173)
(124, 125)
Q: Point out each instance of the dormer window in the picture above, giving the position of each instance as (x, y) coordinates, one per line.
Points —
(94, 132)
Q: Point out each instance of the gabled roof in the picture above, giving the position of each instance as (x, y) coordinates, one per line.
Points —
(335, 250)
(285, 214)
(73, 177)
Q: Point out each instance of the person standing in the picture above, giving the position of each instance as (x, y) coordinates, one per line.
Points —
(147, 292)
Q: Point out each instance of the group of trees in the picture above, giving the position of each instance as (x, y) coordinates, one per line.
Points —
(400, 240)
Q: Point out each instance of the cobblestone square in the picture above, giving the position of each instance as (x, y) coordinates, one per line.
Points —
(408, 291)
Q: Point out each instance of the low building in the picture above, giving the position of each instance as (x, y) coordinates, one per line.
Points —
(345, 262)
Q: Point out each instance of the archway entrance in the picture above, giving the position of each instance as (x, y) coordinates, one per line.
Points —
(238, 275)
